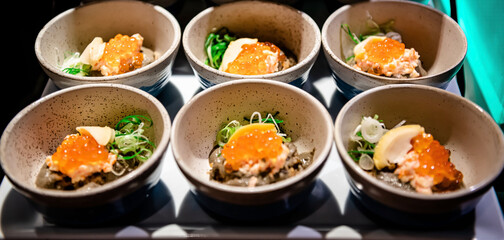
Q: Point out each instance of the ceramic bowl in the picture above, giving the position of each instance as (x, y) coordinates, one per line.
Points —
(289, 2)
(74, 29)
(438, 39)
(280, 24)
(474, 139)
(196, 125)
(37, 130)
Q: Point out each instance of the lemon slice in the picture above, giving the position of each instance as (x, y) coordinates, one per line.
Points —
(359, 50)
(102, 135)
(233, 50)
(93, 52)
(251, 127)
(394, 145)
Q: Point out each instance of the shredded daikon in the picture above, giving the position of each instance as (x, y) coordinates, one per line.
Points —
(227, 131)
(269, 116)
(399, 124)
(354, 137)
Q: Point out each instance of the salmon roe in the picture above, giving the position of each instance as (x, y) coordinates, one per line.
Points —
(122, 54)
(434, 160)
(251, 147)
(77, 150)
(256, 59)
(384, 51)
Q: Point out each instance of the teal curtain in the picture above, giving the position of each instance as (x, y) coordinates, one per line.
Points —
(481, 22)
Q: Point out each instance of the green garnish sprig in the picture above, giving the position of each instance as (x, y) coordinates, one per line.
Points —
(215, 45)
(130, 144)
(79, 69)
(365, 147)
(226, 132)
(72, 65)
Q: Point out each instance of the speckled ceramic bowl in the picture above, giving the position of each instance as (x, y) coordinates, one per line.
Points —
(74, 29)
(474, 139)
(280, 24)
(438, 39)
(290, 2)
(196, 125)
(36, 132)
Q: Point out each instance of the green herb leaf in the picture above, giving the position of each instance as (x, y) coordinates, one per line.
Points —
(216, 44)
(346, 28)
(129, 143)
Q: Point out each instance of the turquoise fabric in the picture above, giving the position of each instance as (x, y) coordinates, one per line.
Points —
(482, 22)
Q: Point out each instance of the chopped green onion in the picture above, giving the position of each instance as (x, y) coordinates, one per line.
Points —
(346, 28)
(216, 44)
(78, 69)
(72, 65)
(129, 143)
(225, 133)
(364, 146)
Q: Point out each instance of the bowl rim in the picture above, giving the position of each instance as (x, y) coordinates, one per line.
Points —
(349, 163)
(217, 186)
(327, 49)
(311, 56)
(124, 180)
(109, 79)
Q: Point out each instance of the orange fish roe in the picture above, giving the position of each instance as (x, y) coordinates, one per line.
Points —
(256, 143)
(384, 51)
(256, 59)
(434, 160)
(122, 54)
(77, 150)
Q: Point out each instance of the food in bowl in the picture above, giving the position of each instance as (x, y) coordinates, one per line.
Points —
(255, 152)
(121, 54)
(97, 155)
(405, 156)
(245, 56)
(380, 51)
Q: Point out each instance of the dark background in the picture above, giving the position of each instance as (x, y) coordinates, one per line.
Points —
(23, 78)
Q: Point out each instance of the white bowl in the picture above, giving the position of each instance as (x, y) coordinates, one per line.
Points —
(195, 127)
(474, 139)
(74, 29)
(438, 39)
(280, 24)
(37, 130)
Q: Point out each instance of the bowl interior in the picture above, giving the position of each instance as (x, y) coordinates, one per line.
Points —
(74, 29)
(435, 36)
(282, 25)
(39, 129)
(306, 121)
(475, 142)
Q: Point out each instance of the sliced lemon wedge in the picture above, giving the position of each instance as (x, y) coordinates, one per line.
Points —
(93, 52)
(262, 127)
(359, 49)
(394, 145)
(102, 135)
(233, 50)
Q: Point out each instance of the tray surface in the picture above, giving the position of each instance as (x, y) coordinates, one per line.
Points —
(173, 212)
